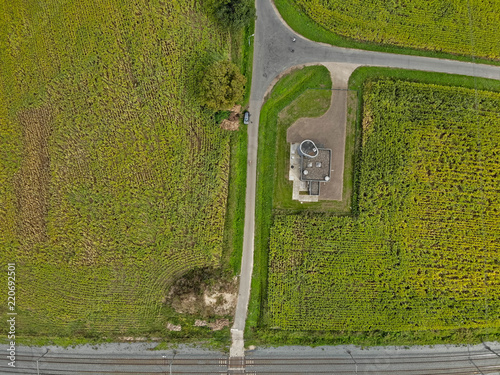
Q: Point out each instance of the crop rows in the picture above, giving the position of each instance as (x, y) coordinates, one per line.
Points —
(460, 27)
(424, 251)
(113, 179)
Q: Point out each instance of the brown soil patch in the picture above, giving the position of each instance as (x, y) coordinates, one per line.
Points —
(31, 182)
(219, 324)
(173, 327)
(222, 303)
(233, 122)
(236, 108)
(230, 125)
(198, 295)
(131, 338)
(185, 303)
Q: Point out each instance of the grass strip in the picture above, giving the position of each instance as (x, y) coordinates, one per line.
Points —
(288, 89)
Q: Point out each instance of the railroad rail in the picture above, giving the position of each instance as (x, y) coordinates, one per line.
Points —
(463, 363)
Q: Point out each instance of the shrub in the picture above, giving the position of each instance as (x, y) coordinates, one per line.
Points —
(234, 14)
(222, 86)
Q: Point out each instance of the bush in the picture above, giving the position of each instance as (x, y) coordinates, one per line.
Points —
(221, 116)
(222, 86)
(234, 14)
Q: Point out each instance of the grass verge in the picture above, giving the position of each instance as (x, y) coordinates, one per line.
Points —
(287, 90)
(242, 56)
(235, 214)
(360, 75)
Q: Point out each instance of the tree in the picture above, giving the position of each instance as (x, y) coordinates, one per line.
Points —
(222, 86)
(234, 14)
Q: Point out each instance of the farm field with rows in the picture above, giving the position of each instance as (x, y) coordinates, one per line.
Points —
(422, 249)
(458, 27)
(113, 180)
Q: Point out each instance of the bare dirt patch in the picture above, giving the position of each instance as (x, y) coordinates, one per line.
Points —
(219, 324)
(173, 327)
(221, 302)
(185, 303)
(31, 182)
(233, 121)
(205, 295)
(230, 125)
(132, 339)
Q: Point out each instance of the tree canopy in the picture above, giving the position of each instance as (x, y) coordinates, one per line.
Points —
(235, 14)
(222, 86)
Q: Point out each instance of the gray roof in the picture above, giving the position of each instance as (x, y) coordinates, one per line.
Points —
(317, 169)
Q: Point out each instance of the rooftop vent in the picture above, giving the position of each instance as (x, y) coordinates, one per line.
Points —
(308, 149)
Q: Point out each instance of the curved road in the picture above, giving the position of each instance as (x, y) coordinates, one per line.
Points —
(274, 53)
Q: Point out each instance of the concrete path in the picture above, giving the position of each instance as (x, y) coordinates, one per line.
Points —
(274, 53)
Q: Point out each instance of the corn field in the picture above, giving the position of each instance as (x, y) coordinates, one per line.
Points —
(113, 180)
(461, 27)
(424, 251)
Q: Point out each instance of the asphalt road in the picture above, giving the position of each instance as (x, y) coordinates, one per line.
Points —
(275, 52)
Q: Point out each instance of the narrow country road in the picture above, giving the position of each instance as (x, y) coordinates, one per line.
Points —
(275, 52)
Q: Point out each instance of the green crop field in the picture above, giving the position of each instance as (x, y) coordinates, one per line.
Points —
(113, 180)
(423, 250)
(459, 27)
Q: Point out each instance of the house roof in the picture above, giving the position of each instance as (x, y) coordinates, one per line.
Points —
(318, 168)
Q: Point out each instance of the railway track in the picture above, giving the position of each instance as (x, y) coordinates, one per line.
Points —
(465, 363)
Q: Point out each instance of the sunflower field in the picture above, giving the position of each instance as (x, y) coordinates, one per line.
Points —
(463, 27)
